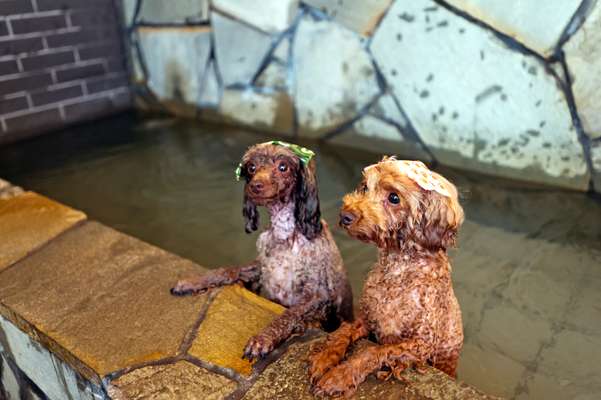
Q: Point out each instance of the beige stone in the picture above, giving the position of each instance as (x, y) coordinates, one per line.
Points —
(181, 380)
(361, 16)
(29, 221)
(287, 379)
(272, 111)
(583, 55)
(239, 49)
(267, 15)
(234, 316)
(511, 117)
(100, 300)
(537, 25)
(174, 11)
(273, 76)
(176, 58)
(334, 76)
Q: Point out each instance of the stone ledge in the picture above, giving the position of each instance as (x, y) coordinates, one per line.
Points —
(89, 316)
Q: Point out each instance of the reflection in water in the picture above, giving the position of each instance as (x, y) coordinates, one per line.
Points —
(526, 274)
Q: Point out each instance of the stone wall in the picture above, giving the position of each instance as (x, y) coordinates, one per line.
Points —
(61, 62)
(474, 84)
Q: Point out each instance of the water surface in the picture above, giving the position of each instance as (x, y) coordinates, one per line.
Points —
(527, 271)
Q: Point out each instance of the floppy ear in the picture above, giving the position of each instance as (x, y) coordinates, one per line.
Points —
(441, 218)
(306, 211)
(251, 215)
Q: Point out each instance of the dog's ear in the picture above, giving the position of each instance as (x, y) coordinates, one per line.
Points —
(306, 211)
(441, 218)
(251, 215)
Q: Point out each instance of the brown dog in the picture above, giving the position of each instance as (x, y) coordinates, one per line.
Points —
(408, 303)
(298, 263)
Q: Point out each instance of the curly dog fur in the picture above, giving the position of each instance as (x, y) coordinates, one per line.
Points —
(298, 263)
(408, 302)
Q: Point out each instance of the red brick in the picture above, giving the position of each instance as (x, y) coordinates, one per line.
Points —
(12, 105)
(100, 51)
(48, 60)
(10, 7)
(88, 18)
(24, 83)
(46, 5)
(8, 67)
(13, 46)
(56, 95)
(82, 72)
(3, 28)
(90, 109)
(38, 24)
(73, 38)
(102, 84)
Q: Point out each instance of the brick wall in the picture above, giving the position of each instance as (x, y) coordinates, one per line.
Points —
(61, 62)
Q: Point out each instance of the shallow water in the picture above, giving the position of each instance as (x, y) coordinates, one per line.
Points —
(527, 271)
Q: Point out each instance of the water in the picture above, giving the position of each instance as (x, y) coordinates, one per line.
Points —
(527, 272)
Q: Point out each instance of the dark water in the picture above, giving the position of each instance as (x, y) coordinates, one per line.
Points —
(527, 272)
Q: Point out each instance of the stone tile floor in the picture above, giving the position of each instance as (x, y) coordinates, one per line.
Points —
(85, 312)
(527, 271)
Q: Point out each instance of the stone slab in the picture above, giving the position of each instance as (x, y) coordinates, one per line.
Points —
(233, 317)
(56, 379)
(270, 111)
(181, 380)
(176, 58)
(287, 379)
(583, 56)
(100, 300)
(174, 11)
(490, 108)
(334, 76)
(538, 25)
(361, 16)
(239, 49)
(266, 15)
(9, 382)
(373, 134)
(28, 221)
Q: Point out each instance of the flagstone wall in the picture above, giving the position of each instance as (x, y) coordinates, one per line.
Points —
(467, 83)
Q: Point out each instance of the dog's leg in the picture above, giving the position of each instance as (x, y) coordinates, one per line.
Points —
(329, 353)
(344, 379)
(447, 363)
(293, 320)
(223, 276)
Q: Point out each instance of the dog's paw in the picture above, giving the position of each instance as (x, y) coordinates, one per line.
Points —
(337, 382)
(258, 347)
(321, 360)
(188, 287)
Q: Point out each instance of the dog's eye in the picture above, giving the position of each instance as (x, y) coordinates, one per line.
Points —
(251, 168)
(394, 198)
(363, 188)
(282, 167)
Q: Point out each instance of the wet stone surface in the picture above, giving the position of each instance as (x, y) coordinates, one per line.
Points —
(28, 222)
(100, 299)
(233, 317)
(181, 380)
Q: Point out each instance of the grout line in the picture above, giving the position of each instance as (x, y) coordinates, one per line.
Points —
(223, 371)
(575, 23)
(192, 334)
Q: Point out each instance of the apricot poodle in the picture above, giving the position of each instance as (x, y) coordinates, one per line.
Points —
(412, 215)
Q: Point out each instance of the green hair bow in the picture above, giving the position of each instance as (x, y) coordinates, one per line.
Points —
(304, 154)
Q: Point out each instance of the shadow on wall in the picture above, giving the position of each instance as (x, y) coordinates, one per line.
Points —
(465, 83)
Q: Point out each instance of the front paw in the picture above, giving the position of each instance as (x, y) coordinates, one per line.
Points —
(258, 347)
(338, 382)
(321, 360)
(187, 287)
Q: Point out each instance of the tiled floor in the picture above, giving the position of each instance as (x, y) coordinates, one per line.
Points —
(527, 272)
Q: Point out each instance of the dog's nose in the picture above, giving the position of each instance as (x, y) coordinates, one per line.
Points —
(346, 218)
(257, 187)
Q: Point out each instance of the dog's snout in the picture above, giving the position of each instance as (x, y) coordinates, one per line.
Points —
(257, 187)
(346, 218)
